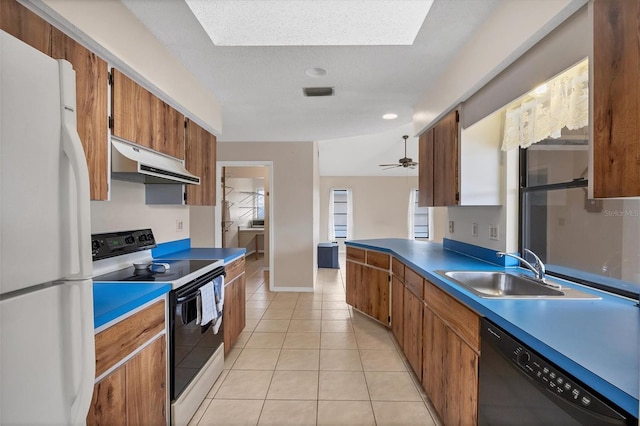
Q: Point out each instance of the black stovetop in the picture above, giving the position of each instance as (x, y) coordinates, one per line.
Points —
(177, 270)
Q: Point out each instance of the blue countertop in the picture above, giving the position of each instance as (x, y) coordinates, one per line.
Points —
(227, 254)
(112, 300)
(597, 341)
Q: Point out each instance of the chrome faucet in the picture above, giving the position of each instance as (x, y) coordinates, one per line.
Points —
(537, 268)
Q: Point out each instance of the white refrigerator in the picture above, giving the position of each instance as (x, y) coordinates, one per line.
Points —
(47, 355)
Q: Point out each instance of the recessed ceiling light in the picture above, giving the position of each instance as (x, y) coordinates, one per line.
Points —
(316, 72)
(390, 116)
(311, 23)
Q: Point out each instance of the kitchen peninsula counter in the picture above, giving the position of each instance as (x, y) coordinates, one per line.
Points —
(595, 340)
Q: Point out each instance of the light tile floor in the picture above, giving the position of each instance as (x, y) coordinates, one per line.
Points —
(309, 359)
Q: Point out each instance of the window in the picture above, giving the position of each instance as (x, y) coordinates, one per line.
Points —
(258, 201)
(596, 242)
(418, 218)
(340, 214)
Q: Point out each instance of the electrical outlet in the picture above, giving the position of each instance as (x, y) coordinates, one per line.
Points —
(474, 229)
(493, 232)
(179, 225)
(451, 227)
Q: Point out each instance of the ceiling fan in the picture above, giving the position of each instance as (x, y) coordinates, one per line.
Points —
(404, 161)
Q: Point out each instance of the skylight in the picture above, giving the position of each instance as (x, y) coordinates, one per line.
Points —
(311, 22)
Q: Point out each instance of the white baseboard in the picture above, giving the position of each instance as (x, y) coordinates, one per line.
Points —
(293, 289)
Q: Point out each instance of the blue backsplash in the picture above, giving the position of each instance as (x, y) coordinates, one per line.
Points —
(482, 253)
(164, 249)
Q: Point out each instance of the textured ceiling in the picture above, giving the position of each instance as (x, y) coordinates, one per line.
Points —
(311, 23)
(260, 88)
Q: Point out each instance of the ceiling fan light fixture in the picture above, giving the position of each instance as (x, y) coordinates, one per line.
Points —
(390, 116)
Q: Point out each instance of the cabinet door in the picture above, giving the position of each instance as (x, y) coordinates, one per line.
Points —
(234, 311)
(167, 125)
(108, 401)
(25, 25)
(461, 382)
(375, 294)
(616, 98)
(200, 159)
(353, 281)
(91, 107)
(131, 110)
(397, 311)
(413, 308)
(146, 385)
(433, 374)
(425, 169)
(445, 155)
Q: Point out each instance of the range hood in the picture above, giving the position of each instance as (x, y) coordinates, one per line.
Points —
(137, 164)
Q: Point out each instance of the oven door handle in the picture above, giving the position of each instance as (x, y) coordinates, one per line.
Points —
(188, 298)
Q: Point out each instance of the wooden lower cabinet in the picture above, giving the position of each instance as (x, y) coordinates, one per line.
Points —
(136, 392)
(412, 331)
(449, 372)
(146, 385)
(367, 289)
(234, 316)
(397, 310)
(108, 402)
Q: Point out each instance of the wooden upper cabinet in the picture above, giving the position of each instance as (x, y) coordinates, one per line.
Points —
(141, 117)
(425, 169)
(25, 25)
(200, 153)
(445, 158)
(91, 107)
(439, 163)
(616, 98)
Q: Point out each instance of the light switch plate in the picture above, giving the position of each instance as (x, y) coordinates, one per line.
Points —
(451, 228)
(474, 229)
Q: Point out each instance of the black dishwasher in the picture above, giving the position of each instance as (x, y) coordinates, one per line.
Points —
(518, 386)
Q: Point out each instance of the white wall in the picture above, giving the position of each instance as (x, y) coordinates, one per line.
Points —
(380, 204)
(544, 59)
(127, 211)
(292, 198)
(202, 226)
(512, 29)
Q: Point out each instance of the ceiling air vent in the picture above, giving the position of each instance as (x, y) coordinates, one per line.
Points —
(317, 91)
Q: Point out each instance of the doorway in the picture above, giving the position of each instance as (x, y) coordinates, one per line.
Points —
(244, 212)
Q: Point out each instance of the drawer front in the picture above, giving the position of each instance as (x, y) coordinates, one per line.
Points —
(397, 268)
(355, 254)
(379, 260)
(414, 282)
(462, 320)
(119, 340)
(234, 269)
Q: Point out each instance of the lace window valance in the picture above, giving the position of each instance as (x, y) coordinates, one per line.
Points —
(562, 102)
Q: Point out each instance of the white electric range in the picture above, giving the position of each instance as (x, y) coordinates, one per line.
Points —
(196, 353)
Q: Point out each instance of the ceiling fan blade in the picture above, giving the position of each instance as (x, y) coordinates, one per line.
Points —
(393, 166)
(389, 165)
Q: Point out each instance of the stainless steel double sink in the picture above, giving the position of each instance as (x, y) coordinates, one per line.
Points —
(505, 285)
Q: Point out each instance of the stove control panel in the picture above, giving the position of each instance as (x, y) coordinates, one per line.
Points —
(112, 244)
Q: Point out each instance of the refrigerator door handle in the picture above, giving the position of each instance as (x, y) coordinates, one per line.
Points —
(72, 148)
(84, 393)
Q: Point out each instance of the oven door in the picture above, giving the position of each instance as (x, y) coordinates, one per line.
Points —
(191, 345)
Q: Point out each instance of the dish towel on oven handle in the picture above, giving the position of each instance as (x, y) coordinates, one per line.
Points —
(218, 289)
(206, 306)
